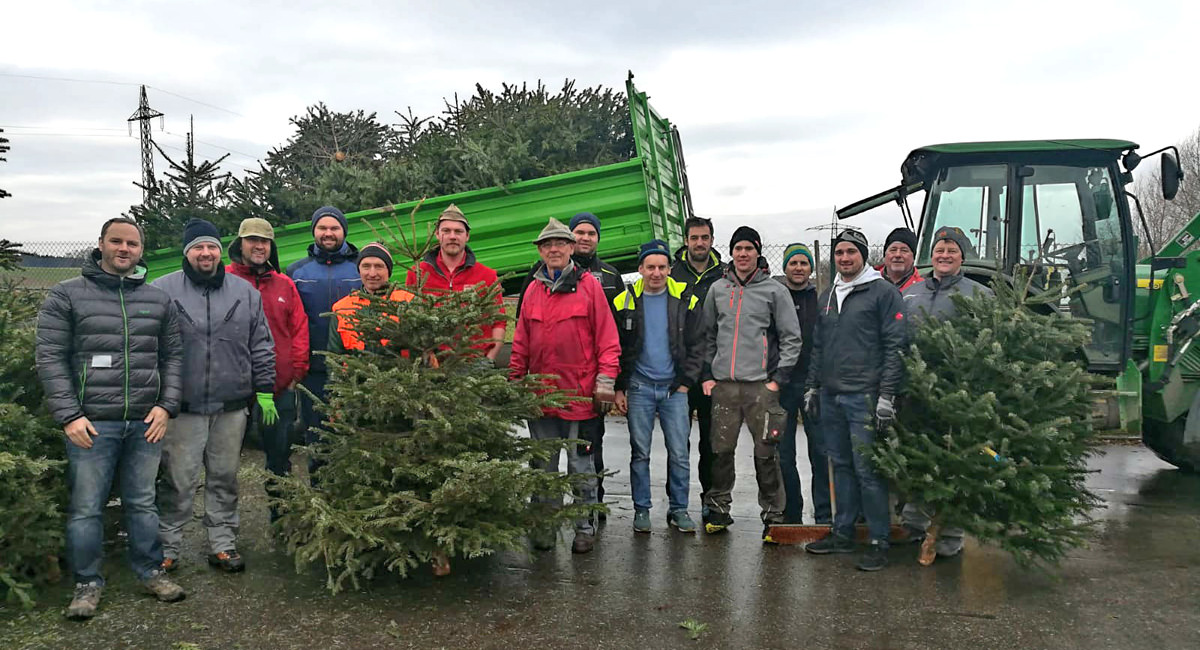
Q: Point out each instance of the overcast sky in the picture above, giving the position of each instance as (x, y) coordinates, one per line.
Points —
(787, 109)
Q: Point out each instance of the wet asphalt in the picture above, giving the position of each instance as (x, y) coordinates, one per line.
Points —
(1136, 586)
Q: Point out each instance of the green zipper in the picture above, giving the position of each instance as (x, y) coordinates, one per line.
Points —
(125, 324)
(82, 382)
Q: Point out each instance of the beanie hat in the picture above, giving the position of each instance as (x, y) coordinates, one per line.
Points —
(330, 211)
(555, 230)
(654, 247)
(198, 231)
(746, 233)
(957, 236)
(585, 217)
(376, 249)
(452, 213)
(797, 249)
(854, 237)
(904, 236)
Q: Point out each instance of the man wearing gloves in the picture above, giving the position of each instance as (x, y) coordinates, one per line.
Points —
(855, 373)
(229, 363)
(658, 321)
(752, 343)
(566, 329)
(931, 299)
(254, 258)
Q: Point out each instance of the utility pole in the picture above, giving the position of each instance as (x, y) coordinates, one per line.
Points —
(144, 114)
(4, 147)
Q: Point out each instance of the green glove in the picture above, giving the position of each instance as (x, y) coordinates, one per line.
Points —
(266, 402)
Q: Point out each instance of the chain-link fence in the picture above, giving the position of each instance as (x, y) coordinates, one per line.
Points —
(43, 264)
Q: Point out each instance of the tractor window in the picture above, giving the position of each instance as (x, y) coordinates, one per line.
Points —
(972, 198)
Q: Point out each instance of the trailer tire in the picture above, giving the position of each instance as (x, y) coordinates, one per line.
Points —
(1165, 439)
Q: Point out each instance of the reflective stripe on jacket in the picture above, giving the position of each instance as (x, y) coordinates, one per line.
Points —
(683, 332)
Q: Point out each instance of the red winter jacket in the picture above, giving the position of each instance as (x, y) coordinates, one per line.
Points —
(569, 333)
(438, 279)
(286, 320)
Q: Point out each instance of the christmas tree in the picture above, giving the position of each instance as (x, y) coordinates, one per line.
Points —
(421, 458)
(995, 428)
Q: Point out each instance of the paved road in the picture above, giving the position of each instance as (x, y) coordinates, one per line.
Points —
(1137, 586)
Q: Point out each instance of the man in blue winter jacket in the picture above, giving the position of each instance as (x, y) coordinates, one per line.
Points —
(328, 274)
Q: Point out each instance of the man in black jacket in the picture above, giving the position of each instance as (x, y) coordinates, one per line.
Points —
(110, 357)
(854, 374)
(698, 266)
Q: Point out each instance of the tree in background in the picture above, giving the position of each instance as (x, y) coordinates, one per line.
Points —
(1164, 217)
(995, 428)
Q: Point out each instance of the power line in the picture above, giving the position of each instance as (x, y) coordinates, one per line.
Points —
(118, 83)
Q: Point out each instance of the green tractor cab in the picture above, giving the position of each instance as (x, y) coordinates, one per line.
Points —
(1059, 210)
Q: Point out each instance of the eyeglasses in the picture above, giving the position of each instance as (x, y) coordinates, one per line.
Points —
(554, 243)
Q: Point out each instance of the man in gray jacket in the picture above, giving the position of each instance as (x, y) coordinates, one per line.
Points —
(931, 299)
(752, 343)
(110, 358)
(228, 364)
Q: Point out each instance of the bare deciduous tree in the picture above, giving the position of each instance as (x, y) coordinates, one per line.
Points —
(1163, 217)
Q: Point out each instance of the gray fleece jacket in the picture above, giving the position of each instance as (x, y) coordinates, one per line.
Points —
(744, 323)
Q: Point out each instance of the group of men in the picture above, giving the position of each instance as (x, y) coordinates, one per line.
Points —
(154, 381)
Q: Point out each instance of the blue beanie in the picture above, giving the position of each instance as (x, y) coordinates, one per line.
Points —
(197, 231)
(330, 211)
(654, 247)
(585, 217)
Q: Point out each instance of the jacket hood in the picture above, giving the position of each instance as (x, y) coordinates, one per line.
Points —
(235, 255)
(91, 270)
(347, 253)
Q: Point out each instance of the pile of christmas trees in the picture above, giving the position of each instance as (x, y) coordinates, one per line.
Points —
(995, 428)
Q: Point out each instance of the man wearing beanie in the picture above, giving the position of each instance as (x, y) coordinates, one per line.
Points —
(375, 269)
(326, 275)
(797, 278)
(566, 330)
(228, 365)
(661, 355)
(900, 259)
(752, 344)
(254, 258)
(698, 266)
(451, 266)
(854, 376)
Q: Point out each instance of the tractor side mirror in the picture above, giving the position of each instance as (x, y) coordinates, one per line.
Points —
(1172, 175)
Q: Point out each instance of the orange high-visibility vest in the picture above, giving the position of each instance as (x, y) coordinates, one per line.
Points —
(345, 309)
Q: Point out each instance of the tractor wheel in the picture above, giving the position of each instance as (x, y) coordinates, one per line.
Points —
(1165, 439)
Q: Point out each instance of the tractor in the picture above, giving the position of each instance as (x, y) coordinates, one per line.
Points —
(1059, 211)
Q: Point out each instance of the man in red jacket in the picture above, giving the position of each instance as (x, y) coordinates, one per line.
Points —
(255, 258)
(450, 266)
(566, 329)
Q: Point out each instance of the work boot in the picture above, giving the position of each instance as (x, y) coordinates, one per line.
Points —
(875, 558)
(228, 561)
(831, 543)
(716, 522)
(948, 546)
(681, 521)
(163, 589)
(584, 542)
(641, 521)
(84, 603)
(766, 537)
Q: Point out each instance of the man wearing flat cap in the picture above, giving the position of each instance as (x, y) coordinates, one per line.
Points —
(566, 329)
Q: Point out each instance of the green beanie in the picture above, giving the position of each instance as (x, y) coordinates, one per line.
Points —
(798, 249)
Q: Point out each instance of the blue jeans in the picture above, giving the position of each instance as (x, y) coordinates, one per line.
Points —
(793, 512)
(645, 400)
(848, 427)
(90, 475)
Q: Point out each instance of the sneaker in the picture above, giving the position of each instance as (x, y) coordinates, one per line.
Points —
(169, 564)
(163, 589)
(767, 539)
(584, 542)
(228, 561)
(831, 543)
(84, 603)
(681, 522)
(716, 522)
(641, 521)
(875, 558)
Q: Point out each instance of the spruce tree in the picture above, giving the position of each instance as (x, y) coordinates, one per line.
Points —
(995, 427)
(421, 456)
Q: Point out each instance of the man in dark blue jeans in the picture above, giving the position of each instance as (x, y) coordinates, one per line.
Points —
(855, 372)
(110, 357)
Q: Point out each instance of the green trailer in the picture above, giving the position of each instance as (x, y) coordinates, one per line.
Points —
(637, 200)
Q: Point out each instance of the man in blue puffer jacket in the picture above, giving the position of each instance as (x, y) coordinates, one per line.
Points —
(328, 274)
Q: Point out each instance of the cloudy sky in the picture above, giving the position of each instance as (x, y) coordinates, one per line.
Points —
(787, 109)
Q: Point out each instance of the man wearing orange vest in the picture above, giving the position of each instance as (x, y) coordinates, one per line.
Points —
(375, 269)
